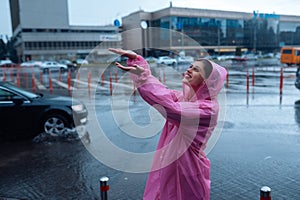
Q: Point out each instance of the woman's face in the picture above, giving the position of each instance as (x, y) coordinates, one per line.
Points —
(195, 74)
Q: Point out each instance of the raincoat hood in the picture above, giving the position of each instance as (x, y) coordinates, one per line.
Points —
(211, 87)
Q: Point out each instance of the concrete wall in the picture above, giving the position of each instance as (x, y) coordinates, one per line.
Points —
(44, 14)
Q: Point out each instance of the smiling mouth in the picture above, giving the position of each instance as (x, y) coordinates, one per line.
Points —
(187, 76)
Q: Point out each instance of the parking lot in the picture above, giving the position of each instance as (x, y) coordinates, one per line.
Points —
(258, 145)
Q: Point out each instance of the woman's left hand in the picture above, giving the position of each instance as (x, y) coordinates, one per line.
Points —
(136, 69)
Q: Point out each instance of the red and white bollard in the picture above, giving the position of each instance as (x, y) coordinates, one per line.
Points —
(281, 81)
(110, 84)
(265, 193)
(247, 81)
(104, 187)
(253, 76)
(50, 82)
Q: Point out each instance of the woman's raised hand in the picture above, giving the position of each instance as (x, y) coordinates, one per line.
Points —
(135, 69)
(117, 51)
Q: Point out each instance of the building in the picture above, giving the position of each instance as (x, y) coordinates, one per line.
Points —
(200, 31)
(41, 31)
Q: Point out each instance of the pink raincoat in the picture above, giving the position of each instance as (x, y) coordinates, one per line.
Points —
(180, 169)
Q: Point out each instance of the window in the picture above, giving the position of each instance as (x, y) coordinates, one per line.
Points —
(287, 51)
(5, 95)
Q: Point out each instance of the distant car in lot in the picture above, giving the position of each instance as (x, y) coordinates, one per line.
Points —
(151, 59)
(185, 59)
(297, 82)
(81, 61)
(25, 114)
(165, 60)
(6, 63)
(53, 66)
(69, 64)
(31, 63)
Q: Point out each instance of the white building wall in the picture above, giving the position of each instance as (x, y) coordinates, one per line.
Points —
(44, 14)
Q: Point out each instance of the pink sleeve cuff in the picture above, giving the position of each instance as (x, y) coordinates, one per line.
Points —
(140, 79)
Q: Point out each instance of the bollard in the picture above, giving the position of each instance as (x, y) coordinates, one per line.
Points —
(69, 80)
(164, 76)
(41, 78)
(134, 89)
(50, 82)
(18, 78)
(110, 84)
(281, 81)
(26, 79)
(265, 193)
(59, 75)
(11, 74)
(102, 78)
(33, 82)
(253, 76)
(104, 187)
(247, 80)
(227, 78)
(4, 74)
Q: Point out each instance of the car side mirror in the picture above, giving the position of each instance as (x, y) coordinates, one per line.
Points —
(18, 100)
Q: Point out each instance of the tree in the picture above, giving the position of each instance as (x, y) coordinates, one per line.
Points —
(3, 50)
(11, 51)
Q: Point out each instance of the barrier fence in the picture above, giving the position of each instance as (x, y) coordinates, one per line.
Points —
(19, 76)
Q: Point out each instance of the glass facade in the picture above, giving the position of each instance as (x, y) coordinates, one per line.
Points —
(264, 32)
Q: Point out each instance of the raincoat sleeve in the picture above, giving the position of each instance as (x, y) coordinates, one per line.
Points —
(166, 101)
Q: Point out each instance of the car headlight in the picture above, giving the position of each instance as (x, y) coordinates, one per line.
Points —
(78, 107)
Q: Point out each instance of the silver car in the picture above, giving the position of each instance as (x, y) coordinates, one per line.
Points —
(53, 66)
(165, 60)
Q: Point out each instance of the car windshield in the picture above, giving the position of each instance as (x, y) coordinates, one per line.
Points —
(23, 92)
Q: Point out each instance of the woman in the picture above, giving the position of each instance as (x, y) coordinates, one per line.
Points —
(180, 169)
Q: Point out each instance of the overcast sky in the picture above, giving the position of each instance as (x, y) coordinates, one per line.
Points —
(101, 12)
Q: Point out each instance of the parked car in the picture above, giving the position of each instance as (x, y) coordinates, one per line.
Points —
(81, 61)
(69, 64)
(165, 60)
(297, 82)
(31, 63)
(6, 63)
(151, 59)
(53, 66)
(185, 59)
(25, 114)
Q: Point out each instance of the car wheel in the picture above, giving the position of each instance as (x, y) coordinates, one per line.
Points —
(55, 124)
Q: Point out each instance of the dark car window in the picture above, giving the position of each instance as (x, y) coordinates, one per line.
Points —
(23, 92)
(6, 95)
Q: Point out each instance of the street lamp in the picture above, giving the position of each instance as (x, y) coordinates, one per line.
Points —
(144, 26)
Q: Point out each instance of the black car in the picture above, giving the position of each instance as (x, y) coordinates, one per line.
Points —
(297, 82)
(24, 114)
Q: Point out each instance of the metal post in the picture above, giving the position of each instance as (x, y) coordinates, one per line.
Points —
(265, 193)
(104, 187)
